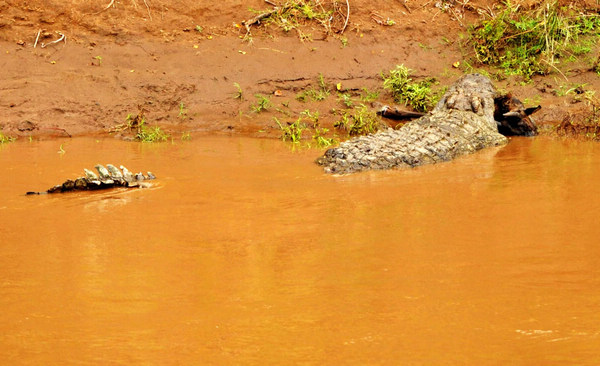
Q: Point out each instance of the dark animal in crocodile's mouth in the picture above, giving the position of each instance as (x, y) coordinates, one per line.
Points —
(513, 118)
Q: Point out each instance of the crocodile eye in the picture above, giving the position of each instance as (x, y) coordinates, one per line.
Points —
(451, 100)
(476, 105)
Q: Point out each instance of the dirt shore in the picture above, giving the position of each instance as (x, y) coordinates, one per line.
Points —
(178, 62)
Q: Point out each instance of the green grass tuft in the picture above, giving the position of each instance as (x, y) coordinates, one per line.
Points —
(532, 42)
(416, 94)
(6, 139)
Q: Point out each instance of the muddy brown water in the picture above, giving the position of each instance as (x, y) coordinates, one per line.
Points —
(244, 252)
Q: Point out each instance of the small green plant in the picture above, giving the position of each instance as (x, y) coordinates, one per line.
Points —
(99, 59)
(238, 93)
(368, 96)
(313, 94)
(182, 111)
(199, 29)
(61, 150)
(6, 139)
(416, 94)
(322, 83)
(321, 140)
(344, 41)
(152, 134)
(312, 116)
(186, 136)
(346, 99)
(359, 121)
(143, 132)
(263, 103)
(292, 131)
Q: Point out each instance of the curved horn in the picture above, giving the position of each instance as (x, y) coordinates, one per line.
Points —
(512, 114)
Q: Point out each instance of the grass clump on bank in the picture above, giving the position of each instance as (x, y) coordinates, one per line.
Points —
(314, 94)
(531, 42)
(263, 103)
(143, 132)
(152, 134)
(586, 122)
(4, 139)
(418, 95)
(359, 121)
(291, 131)
(295, 15)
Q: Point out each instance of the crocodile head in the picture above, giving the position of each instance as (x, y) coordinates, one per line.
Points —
(471, 93)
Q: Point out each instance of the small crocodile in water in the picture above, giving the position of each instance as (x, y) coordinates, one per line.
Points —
(461, 123)
(107, 177)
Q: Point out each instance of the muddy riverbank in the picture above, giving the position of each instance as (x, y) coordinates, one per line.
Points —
(179, 63)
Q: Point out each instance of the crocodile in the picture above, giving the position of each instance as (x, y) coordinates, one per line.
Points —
(462, 122)
(107, 177)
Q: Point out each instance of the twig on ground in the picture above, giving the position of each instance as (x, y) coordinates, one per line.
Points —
(62, 37)
(347, 16)
(406, 6)
(112, 2)
(379, 19)
(37, 38)
(556, 68)
(257, 19)
(148, 9)
(427, 3)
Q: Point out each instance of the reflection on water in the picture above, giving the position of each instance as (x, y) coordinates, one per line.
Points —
(245, 253)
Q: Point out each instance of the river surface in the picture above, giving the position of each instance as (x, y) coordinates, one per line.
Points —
(245, 253)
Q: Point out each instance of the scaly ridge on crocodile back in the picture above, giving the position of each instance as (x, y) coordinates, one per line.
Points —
(461, 123)
(108, 177)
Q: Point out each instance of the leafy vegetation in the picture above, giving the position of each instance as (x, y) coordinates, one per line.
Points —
(313, 94)
(239, 93)
(321, 140)
(346, 99)
(186, 136)
(359, 121)
(151, 134)
(294, 15)
(531, 42)
(182, 111)
(263, 103)
(368, 96)
(292, 131)
(5, 139)
(143, 133)
(311, 116)
(415, 94)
